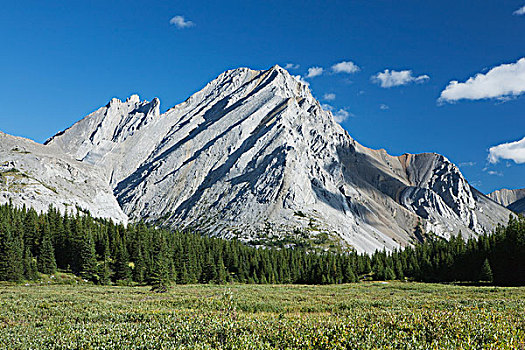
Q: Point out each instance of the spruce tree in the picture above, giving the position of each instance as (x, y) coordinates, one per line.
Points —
(11, 266)
(46, 257)
(139, 268)
(121, 263)
(220, 277)
(159, 277)
(87, 258)
(485, 274)
(30, 266)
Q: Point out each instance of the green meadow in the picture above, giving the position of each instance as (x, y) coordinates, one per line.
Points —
(367, 315)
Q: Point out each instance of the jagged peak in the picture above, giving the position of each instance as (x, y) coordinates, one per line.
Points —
(115, 113)
(133, 98)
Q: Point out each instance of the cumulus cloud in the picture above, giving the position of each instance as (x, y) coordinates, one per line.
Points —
(314, 72)
(519, 12)
(500, 82)
(391, 78)
(300, 79)
(384, 107)
(291, 66)
(180, 22)
(514, 151)
(329, 97)
(341, 115)
(345, 67)
(327, 107)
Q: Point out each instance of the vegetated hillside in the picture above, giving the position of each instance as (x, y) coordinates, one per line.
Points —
(512, 199)
(254, 156)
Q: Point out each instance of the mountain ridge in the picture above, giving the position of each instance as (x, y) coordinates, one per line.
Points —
(513, 199)
(254, 156)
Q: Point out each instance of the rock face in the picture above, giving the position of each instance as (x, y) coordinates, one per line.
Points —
(34, 175)
(110, 138)
(512, 199)
(254, 156)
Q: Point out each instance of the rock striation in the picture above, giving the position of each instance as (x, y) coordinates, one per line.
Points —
(254, 156)
(34, 175)
(512, 199)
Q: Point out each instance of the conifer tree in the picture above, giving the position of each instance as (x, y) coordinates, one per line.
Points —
(486, 272)
(139, 268)
(11, 268)
(30, 266)
(46, 256)
(87, 258)
(220, 277)
(121, 262)
(160, 271)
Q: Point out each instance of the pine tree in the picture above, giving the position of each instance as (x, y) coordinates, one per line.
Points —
(30, 266)
(87, 258)
(160, 271)
(121, 262)
(104, 269)
(46, 257)
(389, 274)
(11, 267)
(139, 268)
(220, 277)
(209, 273)
(485, 274)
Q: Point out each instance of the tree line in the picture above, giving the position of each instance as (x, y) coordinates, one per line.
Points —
(103, 252)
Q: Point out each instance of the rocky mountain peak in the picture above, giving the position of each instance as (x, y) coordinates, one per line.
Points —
(253, 155)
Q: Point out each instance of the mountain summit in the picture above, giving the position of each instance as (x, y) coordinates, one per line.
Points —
(254, 156)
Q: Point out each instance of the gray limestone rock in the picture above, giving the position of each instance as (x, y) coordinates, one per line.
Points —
(254, 156)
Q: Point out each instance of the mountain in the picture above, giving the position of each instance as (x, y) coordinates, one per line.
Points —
(512, 199)
(34, 175)
(254, 156)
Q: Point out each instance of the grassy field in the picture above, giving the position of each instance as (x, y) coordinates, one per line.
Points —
(396, 315)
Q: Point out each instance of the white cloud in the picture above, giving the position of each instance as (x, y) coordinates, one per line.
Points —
(391, 78)
(341, 115)
(314, 72)
(520, 11)
(511, 150)
(327, 107)
(345, 67)
(384, 107)
(291, 66)
(180, 22)
(329, 97)
(465, 164)
(501, 82)
(300, 79)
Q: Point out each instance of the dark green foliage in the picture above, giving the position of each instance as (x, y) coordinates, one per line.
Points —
(159, 278)
(121, 261)
(11, 266)
(87, 258)
(46, 256)
(101, 251)
(30, 265)
(485, 274)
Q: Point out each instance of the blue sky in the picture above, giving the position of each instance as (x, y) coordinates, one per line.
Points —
(61, 60)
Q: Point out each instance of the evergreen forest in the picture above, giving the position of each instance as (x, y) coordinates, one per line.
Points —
(107, 253)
